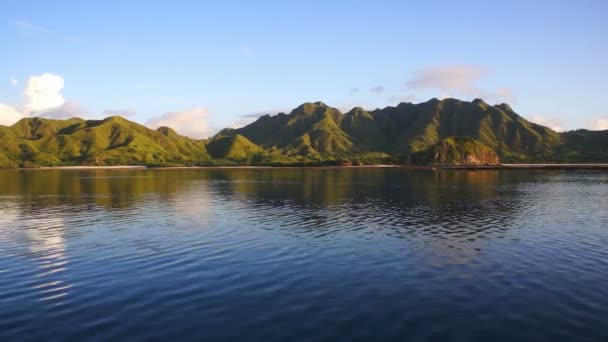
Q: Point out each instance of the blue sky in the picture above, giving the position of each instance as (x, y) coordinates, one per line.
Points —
(204, 65)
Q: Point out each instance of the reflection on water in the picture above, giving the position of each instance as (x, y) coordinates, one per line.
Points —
(303, 254)
(43, 236)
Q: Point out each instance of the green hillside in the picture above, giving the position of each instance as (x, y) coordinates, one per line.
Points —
(315, 129)
(112, 141)
(236, 148)
(311, 134)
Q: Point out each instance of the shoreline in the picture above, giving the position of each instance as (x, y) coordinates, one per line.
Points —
(547, 166)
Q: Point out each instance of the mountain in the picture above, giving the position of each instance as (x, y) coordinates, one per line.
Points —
(112, 141)
(316, 129)
(233, 147)
(449, 131)
(584, 146)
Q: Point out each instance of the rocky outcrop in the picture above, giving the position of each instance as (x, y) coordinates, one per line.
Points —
(457, 151)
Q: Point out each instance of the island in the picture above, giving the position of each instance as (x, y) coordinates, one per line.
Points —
(435, 133)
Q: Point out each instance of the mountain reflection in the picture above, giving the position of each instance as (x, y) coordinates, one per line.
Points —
(461, 205)
(181, 248)
(449, 216)
(122, 188)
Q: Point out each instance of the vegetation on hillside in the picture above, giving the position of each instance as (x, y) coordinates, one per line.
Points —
(449, 131)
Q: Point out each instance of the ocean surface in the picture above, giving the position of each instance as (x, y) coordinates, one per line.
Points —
(303, 255)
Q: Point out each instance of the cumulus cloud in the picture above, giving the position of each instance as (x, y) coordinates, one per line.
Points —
(457, 80)
(193, 123)
(41, 97)
(14, 81)
(553, 123)
(377, 89)
(8, 115)
(599, 124)
(68, 109)
(43, 92)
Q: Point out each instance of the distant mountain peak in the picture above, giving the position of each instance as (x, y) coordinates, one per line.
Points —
(505, 107)
(312, 105)
(114, 118)
(355, 110)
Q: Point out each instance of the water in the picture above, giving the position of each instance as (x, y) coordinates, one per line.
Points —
(303, 255)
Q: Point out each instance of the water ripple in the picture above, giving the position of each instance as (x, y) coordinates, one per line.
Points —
(315, 255)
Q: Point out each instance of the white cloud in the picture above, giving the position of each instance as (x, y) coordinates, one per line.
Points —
(193, 123)
(457, 80)
(43, 92)
(14, 81)
(599, 124)
(553, 123)
(9, 115)
(68, 109)
(41, 97)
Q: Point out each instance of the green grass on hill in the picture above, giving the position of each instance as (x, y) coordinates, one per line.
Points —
(311, 134)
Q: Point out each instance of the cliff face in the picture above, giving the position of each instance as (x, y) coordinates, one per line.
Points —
(457, 151)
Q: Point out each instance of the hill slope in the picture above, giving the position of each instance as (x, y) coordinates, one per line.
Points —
(233, 147)
(112, 141)
(404, 129)
(311, 134)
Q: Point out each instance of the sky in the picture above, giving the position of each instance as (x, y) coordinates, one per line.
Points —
(200, 66)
